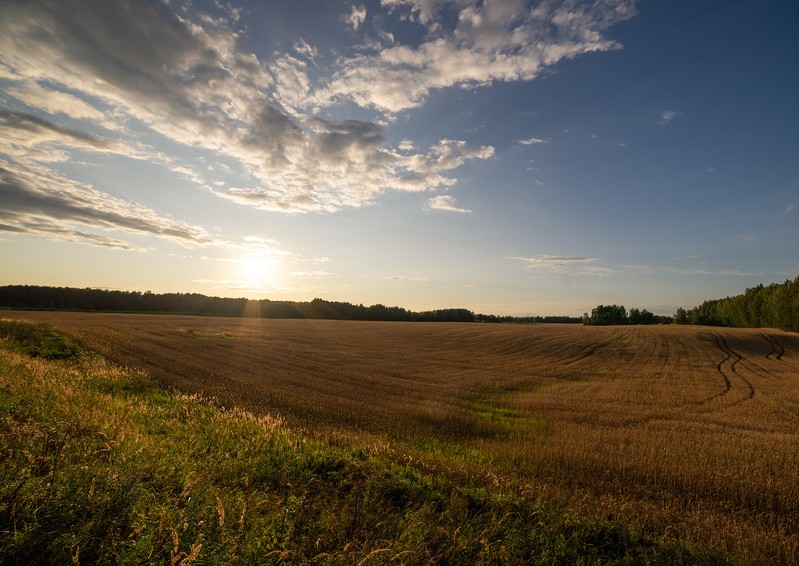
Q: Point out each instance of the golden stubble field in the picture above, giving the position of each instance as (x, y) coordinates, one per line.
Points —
(690, 431)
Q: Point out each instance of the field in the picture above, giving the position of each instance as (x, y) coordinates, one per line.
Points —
(683, 433)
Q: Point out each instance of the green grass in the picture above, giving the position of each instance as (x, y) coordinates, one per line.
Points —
(37, 340)
(98, 465)
(490, 409)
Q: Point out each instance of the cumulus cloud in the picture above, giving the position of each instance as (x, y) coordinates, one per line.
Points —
(136, 70)
(188, 78)
(499, 41)
(447, 203)
(357, 16)
(346, 163)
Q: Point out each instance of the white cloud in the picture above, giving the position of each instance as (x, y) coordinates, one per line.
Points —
(503, 40)
(405, 279)
(291, 84)
(30, 138)
(531, 141)
(552, 260)
(303, 48)
(560, 264)
(421, 10)
(313, 274)
(447, 203)
(136, 69)
(39, 201)
(357, 16)
(56, 102)
(789, 208)
(667, 116)
(187, 78)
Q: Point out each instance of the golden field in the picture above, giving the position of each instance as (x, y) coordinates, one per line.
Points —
(689, 432)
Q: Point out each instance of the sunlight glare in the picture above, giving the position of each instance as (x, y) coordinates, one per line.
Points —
(257, 270)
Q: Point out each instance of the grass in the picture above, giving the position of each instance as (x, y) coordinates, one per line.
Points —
(101, 466)
(37, 340)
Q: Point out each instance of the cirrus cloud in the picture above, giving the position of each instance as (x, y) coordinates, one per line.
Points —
(561, 264)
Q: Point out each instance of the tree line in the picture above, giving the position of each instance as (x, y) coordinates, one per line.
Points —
(772, 306)
(605, 315)
(70, 298)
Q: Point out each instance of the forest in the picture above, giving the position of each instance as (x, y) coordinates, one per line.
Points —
(70, 298)
(772, 306)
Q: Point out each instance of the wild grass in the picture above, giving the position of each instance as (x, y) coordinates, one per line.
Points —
(100, 465)
(37, 340)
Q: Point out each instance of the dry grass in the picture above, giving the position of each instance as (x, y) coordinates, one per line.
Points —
(692, 433)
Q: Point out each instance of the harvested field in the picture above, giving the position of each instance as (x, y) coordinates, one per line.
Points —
(688, 431)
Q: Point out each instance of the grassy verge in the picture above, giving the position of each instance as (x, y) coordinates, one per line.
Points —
(37, 340)
(99, 465)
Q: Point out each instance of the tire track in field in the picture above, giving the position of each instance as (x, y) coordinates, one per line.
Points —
(777, 349)
(721, 342)
(584, 353)
(751, 365)
(719, 366)
(730, 359)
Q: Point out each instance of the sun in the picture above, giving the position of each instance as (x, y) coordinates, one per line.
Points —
(257, 270)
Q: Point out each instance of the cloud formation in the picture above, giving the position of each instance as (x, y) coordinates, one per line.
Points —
(40, 202)
(101, 76)
(499, 41)
(447, 203)
(667, 116)
(187, 77)
(357, 16)
(531, 141)
(560, 264)
(552, 260)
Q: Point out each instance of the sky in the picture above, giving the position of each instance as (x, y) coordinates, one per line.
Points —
(509, 157)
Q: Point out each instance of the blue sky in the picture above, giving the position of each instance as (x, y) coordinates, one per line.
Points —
(505, 156)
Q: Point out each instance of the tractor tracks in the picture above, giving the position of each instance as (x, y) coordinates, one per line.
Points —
(583, 354)
(728, 370)
(777, 349)
(733, 358)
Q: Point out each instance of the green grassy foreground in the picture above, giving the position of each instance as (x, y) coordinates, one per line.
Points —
(100, 465)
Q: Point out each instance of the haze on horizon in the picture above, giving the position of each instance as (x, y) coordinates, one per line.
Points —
(505, 156)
